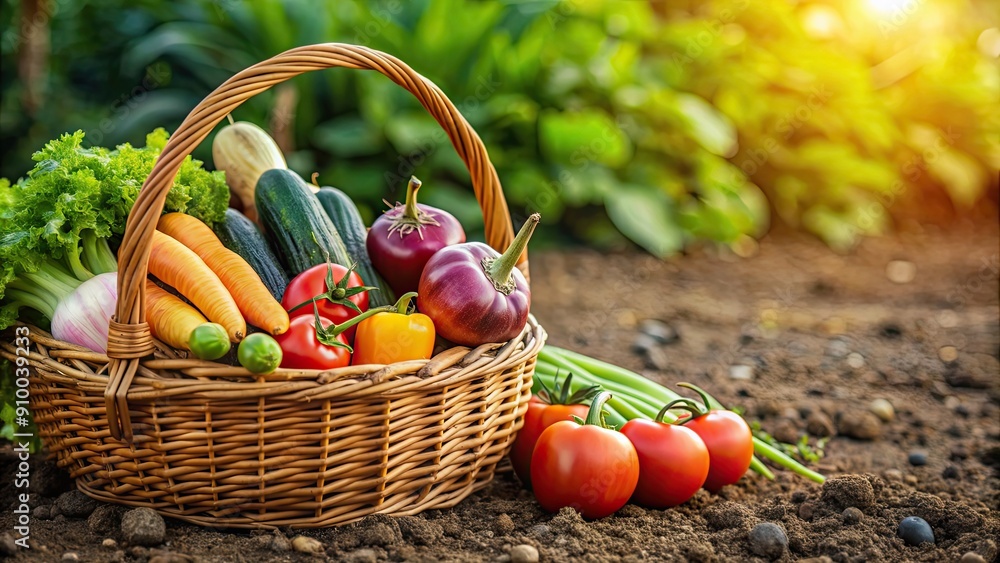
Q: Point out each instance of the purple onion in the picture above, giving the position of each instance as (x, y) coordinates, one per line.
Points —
(83, 317)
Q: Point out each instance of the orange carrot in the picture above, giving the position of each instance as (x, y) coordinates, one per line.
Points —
(255, 301)
(179, 267)
(170, 318)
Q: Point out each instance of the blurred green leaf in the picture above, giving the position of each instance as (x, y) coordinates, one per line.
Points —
(645, 216)
(582, 137)
(709, 128)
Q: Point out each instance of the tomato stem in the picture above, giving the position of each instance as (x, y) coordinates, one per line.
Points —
(328, 335)
(705, 399)
(688, 405)
(595, 415)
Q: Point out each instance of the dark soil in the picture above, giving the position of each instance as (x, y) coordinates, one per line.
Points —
(823, 335)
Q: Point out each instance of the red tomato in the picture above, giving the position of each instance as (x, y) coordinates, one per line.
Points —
(588, 467)
(540, 416)
(313, 282)
(730, 446)
(301, 350)
(673, 462)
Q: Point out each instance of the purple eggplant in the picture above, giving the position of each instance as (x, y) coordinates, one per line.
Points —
(404, 238)
(476, 295)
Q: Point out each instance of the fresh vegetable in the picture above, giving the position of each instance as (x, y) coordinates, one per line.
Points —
(209, 341)
(404, 238)
(252, 297)
(390, 337)
(244, 151)
(586, 466)
(54, 224)
(727, 437)
(475, 295)
(259, 353)
(179, 267)
(638, 397)
(83, 316)
(318, 343)
(545, 408)
(344, 214)
(673, 461)
(172, 320)
(240, 235)
(295, 221)
(337, 292)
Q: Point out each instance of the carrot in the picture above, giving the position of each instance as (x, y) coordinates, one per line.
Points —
(170, 318)
(255, 301)
(179, 267)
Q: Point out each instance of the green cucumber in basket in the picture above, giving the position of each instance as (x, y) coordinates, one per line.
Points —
(346, 217)
(239, 234)
(295, 222)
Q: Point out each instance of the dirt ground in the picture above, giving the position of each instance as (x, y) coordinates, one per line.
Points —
(823, 335)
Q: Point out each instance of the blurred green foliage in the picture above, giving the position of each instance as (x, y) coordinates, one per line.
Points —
(668, 123)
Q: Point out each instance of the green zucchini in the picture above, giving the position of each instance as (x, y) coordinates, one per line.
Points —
(295, 222)
(240, 235)
(346, 217)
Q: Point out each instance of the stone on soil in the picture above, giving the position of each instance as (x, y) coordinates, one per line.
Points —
(861, 425)
(523, 553)
(305, 544)
(74, 504)
(143, 527)
(882, 409)
(768, 540)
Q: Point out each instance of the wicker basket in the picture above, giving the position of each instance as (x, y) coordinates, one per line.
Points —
(215, 445)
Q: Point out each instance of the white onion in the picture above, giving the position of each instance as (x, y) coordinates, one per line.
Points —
(82, 318)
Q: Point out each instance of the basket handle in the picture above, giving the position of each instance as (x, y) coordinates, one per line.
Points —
(129, 337)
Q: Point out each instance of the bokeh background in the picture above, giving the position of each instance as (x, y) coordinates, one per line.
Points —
(662, 125)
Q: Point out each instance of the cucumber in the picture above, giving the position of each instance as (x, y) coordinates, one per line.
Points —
(345, 216)
(295, 222)
(240, 235)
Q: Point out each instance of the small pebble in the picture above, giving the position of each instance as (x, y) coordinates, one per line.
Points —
(972, 557)
(109, 543)
(741, 372)
(911, 480)
(882, 409)
(901, 271)
(851, 516)
(948, 354)
(962, 410)
(143, 527)
(305, 544)
(837, 348)
(820, 425)
(950, 472)
(917, 458)
(893, 475)
(70, 556)
(658, 331)
(915, 531)
(643, 343)
(75, 504)
(860, 425)
(958, 453)
(656, 358)
(855, 360)
(539, 530)
(768, 540)
(523, 553)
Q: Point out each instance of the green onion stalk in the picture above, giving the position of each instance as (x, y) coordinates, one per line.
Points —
(634, 396)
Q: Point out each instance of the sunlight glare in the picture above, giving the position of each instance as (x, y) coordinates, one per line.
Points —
(886, 7)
